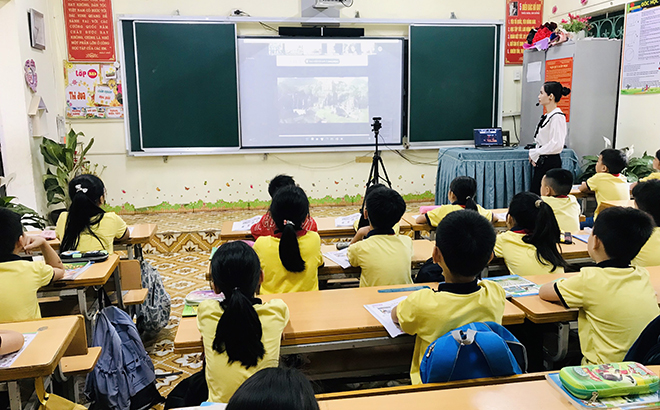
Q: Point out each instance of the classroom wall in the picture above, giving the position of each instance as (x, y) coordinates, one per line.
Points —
(637, 119)
(141, 182)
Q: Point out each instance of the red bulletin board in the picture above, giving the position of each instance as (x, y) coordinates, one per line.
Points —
(90, 32)
(561, 70)
(521, 16)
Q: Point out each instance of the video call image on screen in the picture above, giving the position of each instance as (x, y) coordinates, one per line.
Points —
(319, 92)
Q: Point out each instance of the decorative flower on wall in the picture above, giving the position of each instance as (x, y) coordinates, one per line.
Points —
(554, 9)
(583, 2)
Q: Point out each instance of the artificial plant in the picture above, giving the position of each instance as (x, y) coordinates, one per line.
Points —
(638, 167)
(29, 217)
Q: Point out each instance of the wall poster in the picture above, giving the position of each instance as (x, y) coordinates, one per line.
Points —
(90, 34)
(641, 48)
(521, 17)
(561, 70)
(93, 91)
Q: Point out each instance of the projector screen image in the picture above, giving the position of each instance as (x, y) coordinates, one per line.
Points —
(319, 92)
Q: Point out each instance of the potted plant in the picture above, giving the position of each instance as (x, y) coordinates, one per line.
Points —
(637, 168)
(576, 25)
(29, 217)
(64, 161)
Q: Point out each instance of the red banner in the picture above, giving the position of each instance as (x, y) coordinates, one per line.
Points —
(90, 34)
(521, 16)
(561, 70)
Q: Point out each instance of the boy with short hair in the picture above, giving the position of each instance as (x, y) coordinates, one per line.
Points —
(384, 256)
(608, 183)
(656, 169)
(463, 247)
(19, 279)
(616, 300)
(647, 199)
(555, 188)
(266, 225)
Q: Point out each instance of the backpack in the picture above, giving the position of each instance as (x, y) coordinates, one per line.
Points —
(124, 377)
(646, 349)
(479, 349)
(154, 314)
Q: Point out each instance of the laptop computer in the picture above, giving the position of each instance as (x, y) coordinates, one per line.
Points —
(489, 138)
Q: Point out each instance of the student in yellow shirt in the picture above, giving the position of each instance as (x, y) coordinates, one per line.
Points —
(20, 279)
(463, 247)
(291, 257)
(531, 245)
(656, 170)
(616, 300)
(87, 227)
(241, 335)
(461, 195)
(362, 226)
(275, 388)
(608, 183)
(647, 199)
(384, 256)
(555, 188)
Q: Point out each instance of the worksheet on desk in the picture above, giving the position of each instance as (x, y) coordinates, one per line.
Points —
(9, 359)
(246, 224)
(383, 313)
(346, 221)
(339, 257)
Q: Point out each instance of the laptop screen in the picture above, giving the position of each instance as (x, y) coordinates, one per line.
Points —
(488, 137)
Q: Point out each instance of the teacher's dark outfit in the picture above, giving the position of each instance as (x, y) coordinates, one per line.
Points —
(550, 138)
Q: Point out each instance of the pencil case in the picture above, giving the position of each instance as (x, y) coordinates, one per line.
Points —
(608, 380)
(77, 256)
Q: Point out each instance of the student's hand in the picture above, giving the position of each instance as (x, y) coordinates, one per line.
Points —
(532, 162)
(33, 242)
(421, 219)
(547, 292)
(395, 318)
(584, 187)
(360, 234)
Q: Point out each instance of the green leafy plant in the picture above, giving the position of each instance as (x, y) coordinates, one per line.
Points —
(29, 217)
(637, 168)
(65, 162)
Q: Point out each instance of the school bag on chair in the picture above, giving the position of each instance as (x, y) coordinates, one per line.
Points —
(472, 351)
(124, 377)
(154, 314)
(646, 349)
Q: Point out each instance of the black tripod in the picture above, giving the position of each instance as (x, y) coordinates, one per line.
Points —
(374, 176)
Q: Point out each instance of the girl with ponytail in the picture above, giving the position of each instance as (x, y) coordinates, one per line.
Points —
(241, 335)
(290, 259)
(531, 245)
(86, 226)
(461, 195)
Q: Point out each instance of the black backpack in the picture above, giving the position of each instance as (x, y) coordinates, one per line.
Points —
(646, 349)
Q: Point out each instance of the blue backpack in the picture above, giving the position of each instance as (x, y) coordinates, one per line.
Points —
(479, 349)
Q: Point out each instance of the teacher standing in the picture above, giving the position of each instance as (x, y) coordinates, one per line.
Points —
(550, 134)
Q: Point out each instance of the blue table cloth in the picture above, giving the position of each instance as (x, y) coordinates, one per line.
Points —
(500, 174)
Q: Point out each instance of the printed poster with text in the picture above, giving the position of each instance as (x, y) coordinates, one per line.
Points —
(561, 70)
(90, 34)
(641, 48)
(93, 91)
(521, 17)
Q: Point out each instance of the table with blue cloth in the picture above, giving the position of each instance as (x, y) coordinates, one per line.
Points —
(500, 173)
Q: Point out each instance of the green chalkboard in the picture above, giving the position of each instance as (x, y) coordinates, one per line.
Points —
(181, 85)
(454, 81)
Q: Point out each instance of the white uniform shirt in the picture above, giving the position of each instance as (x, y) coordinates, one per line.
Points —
(551, 137)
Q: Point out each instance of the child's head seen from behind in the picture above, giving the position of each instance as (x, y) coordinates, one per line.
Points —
(236, 272)
(464, 189)
(289, 210)
(385, 207)
(623, 232)
(612, 161)
(87, 192)
(278, 182)
(11, 231)
(274, 388)
(557, 182)
(647, 198)
(466, 241)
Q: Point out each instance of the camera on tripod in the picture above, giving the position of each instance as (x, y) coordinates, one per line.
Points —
(376, 126)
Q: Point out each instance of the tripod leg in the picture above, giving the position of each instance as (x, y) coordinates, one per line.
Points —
(387, 178)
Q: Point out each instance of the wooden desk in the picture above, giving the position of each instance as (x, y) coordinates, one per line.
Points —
(629, 203)
(422, 250)
(41, 357)
(325, 320)
(326, 228)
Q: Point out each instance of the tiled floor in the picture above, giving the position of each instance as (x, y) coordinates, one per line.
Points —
(191, 235)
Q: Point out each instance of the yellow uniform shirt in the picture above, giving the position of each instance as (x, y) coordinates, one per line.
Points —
(652, 175)
(615, 304)
(19, 282)
(519, 256)
(434, 216)
(279, 280)
(430, 314)
(224, 378)
(111, 227)
(650, 253)
(384, 259)
(608, 188)
(567, 212)
(396, 227)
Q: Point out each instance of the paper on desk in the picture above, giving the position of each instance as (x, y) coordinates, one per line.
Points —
(534, 72)
(345, 221)
(245, 225)
(575, 187)
(130, 230)
(500, 216)
(515, 285)
(9, 359)
(339, 257)
(383, 313)
(583, 237)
